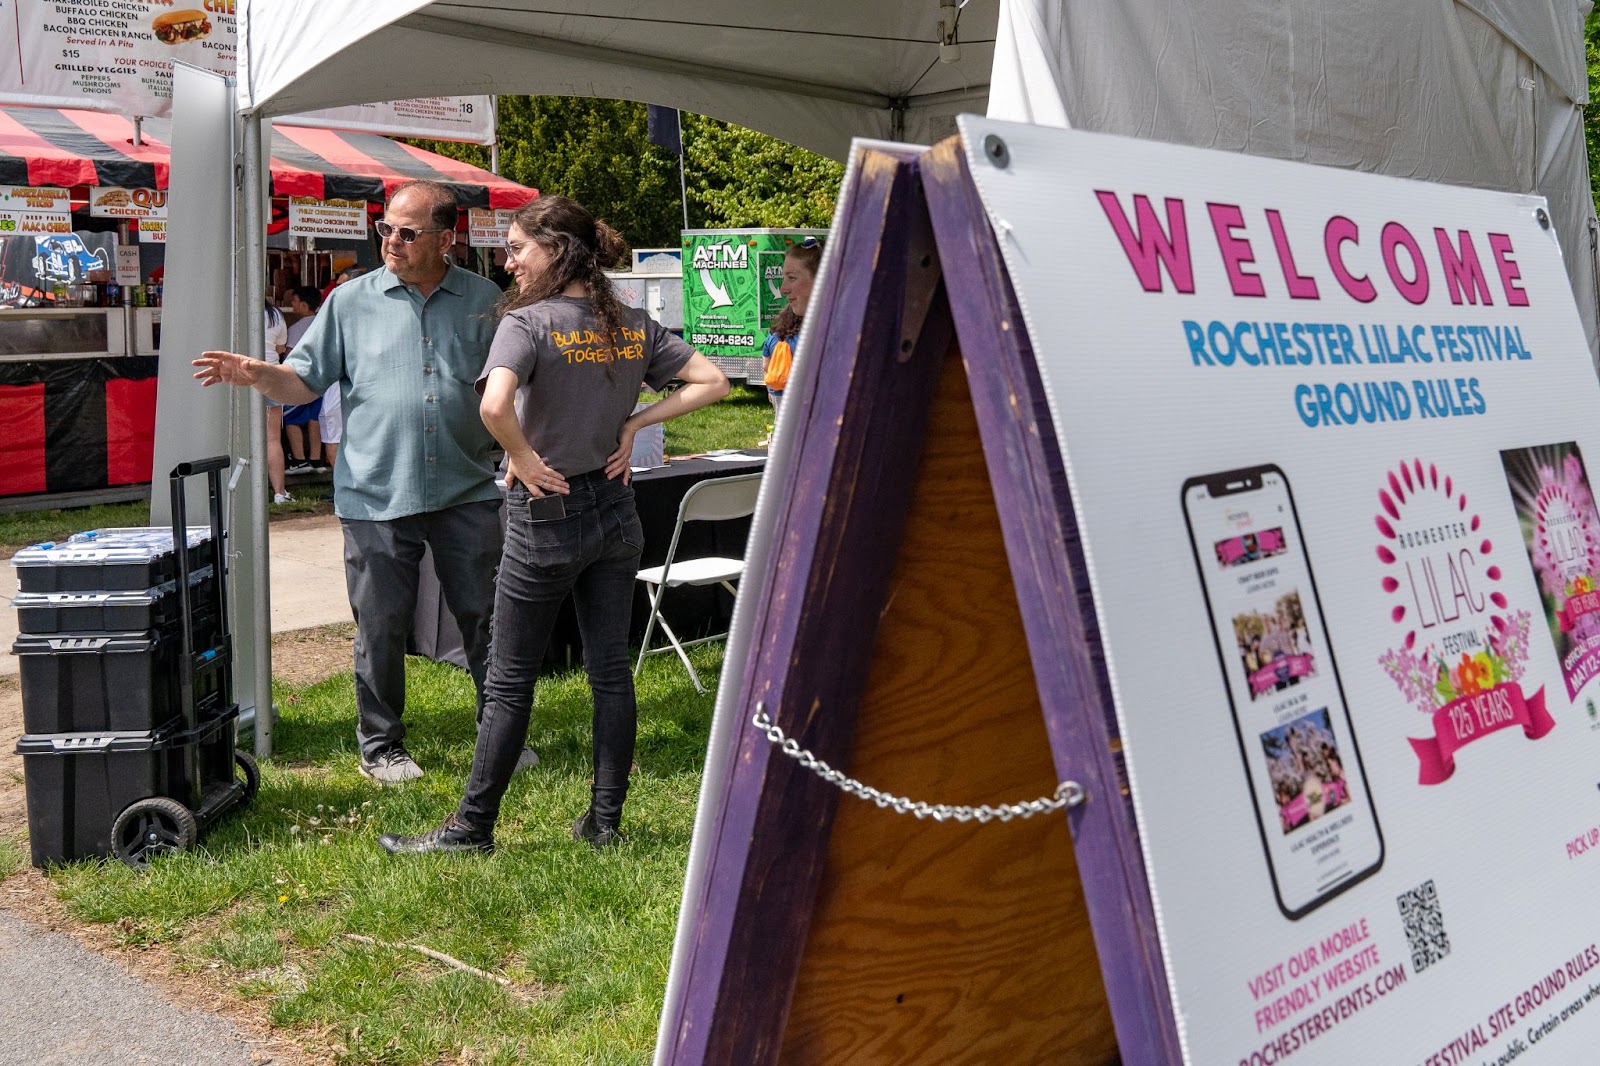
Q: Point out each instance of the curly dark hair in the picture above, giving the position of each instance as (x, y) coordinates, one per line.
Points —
(582, 246)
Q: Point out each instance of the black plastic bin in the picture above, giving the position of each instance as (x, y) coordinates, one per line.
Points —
(80, 785)
(129, 749)
(113, 682)
(114, 611)
(110, 560)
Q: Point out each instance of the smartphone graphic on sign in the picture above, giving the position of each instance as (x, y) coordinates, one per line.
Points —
(1308, 788)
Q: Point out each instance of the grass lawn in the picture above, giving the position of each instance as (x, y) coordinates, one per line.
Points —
(583, 935)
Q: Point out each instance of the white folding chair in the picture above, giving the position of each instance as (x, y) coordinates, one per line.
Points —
(713, 500)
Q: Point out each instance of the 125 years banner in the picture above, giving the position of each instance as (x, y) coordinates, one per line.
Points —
(1331, 441)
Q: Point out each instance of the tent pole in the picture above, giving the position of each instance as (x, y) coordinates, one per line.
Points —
(683, 182)
(255, 239)
(138, 130)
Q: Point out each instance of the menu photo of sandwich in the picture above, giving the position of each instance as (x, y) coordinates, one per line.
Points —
(113, 197)
(180, 27)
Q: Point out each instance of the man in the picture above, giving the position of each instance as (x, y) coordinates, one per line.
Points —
(404, 345)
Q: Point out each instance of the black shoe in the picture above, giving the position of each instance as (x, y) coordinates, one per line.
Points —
(299, 466)
(452, 835)
(589, 829)
(321, 468)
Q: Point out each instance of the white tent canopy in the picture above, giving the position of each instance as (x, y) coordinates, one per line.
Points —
(815, 74)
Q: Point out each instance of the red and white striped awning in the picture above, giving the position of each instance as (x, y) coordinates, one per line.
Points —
(67, 148)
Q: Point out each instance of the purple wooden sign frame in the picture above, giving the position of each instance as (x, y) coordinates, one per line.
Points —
(883, 324)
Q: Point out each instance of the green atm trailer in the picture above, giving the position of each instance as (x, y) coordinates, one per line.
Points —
(730, 292)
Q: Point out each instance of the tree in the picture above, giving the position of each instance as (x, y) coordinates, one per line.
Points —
(738, 177)
(1591, 110)
(595, 151)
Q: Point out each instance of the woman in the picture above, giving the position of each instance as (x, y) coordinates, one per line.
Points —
(575, 358)
(799, 272)
(277, 347)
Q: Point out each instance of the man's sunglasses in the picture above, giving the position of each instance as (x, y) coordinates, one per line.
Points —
(406, 234)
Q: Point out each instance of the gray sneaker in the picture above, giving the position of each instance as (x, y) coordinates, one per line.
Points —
(391, 767)
(527, 760)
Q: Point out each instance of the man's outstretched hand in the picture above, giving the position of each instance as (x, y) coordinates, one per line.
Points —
(227, 368)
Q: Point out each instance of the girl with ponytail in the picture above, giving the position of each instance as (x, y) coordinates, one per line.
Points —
(561, 381)
(799, 273)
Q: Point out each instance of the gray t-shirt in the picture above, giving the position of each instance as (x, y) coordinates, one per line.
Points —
(570, 407)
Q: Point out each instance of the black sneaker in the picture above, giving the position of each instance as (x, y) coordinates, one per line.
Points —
(300, 466)
(321, 468)
(452, 835)
(588, 829)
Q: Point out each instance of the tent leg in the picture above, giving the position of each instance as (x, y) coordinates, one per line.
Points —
(254, 332)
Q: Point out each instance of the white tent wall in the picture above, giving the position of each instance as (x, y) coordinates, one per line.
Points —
(204, 247)
(1484, 93)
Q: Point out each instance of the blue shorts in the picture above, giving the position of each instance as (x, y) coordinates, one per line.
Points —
(301, 413)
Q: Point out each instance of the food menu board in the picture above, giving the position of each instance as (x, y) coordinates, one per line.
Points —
(111, 202)
(1330, 441)
(340, 219)
(486, 228)
(446, 118)
(117, 55)
(112, 55)
(34, 211)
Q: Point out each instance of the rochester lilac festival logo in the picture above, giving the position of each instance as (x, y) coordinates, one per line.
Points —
(1465, 649)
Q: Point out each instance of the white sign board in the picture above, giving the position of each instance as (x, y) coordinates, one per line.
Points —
(1329, 438)
(127, 265)
(445, 118)
(34, 211)
(110, 202)
(152, 231)
(338, 219)
(117, 55)
(487, 229)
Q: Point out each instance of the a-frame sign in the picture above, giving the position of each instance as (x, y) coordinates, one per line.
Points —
(1146, 480)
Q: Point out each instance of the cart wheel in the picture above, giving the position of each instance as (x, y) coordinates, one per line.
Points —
(246, 763)
(150, 827)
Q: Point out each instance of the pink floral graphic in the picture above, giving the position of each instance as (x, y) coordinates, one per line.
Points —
(1429, 680)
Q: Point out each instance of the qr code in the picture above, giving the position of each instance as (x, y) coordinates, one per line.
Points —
(1424, 922)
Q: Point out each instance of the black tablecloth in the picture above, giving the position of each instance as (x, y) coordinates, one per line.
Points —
(690, 611)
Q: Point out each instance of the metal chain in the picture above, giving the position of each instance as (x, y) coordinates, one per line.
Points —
(1067, 794)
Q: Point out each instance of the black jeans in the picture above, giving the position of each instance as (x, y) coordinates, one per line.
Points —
(592, 553)
(381, 561)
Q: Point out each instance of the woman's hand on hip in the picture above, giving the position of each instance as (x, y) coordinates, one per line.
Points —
(538, 477)
(619, 462)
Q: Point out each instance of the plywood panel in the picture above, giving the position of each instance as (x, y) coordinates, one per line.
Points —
(950, 943)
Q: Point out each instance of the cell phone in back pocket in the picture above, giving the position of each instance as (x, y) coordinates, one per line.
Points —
(546, 508)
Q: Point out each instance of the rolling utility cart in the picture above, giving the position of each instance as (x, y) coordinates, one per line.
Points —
(126, 667)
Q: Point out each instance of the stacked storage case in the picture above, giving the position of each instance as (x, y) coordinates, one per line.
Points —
(125, 663)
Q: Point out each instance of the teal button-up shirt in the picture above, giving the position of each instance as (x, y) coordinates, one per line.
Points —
(413, 441)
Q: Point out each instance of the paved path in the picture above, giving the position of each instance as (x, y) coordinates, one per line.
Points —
(307, 582)
(63, 1005)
